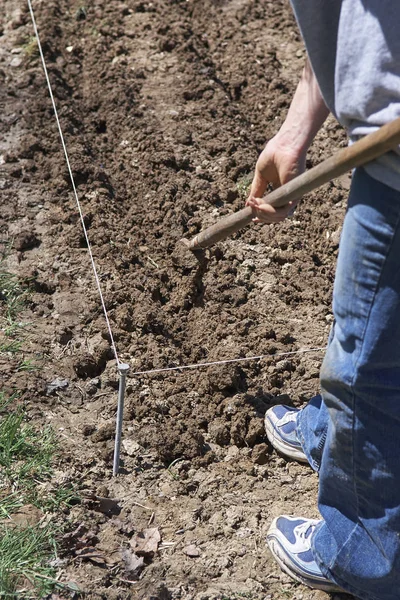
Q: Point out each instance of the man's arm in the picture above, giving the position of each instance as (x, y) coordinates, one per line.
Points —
(284, 156)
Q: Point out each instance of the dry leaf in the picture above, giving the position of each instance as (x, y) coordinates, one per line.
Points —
(79, 538)
(133, 563)
(125, 527)
(91, 554)
(146, 542)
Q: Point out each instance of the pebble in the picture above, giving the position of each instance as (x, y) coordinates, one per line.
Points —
(16, 62)
(56, 384)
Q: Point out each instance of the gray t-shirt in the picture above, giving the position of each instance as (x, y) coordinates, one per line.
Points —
(354, 50)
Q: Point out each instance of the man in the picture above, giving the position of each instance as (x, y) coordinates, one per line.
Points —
(350, 433)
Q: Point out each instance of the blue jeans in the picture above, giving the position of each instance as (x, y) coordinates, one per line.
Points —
(351, 431)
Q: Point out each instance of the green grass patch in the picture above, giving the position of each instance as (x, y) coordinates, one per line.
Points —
(26, 456)
(13, 297)
(10, 346)
(30, 49)
(243, 185)
(25, 556)
(28, 365)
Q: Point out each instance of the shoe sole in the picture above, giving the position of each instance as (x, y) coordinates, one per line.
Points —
(283, 447)
(280, 555)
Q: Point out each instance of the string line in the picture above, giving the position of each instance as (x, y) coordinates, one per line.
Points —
(224, 362)
(73, 183)
(96, 276)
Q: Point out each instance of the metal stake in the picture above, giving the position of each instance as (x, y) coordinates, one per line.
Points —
(123, 369)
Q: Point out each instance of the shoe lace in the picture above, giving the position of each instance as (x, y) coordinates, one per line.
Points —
(305, 530)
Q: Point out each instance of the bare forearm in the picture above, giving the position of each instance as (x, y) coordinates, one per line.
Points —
(306, 114)
(284, 156)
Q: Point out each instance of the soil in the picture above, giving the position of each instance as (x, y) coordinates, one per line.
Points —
(165, 106)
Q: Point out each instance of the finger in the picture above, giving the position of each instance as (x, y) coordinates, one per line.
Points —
(269, 214)
(258, 186)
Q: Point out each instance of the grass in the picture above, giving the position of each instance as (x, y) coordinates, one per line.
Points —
(9, 503)
(10, 347)
(13, 297)
(27, 552)
(243, 185)
(27, 365)
(25, 571)
(30, 48)
(26, 456)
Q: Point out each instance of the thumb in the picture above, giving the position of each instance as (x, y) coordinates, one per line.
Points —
(258, 186)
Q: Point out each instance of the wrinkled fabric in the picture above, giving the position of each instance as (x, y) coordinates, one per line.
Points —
(351, 431)
(354, 50)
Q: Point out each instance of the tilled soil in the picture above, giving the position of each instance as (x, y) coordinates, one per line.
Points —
(165, 107)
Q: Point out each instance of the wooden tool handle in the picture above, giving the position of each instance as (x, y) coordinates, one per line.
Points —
(366, 149)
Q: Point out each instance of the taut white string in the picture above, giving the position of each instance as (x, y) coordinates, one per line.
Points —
(149, 371)
(73, 183)
(224, 362)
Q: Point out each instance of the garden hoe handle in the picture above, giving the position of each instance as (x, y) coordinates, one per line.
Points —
(366, 149)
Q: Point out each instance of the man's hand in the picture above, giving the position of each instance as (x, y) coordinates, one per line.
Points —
(284, 157)
(276, 165)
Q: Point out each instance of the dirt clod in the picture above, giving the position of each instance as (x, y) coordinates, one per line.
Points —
(165, 106)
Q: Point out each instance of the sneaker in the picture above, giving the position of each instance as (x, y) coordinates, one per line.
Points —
(280, 425)
(289, 539)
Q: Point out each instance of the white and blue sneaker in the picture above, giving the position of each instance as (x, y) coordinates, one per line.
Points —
(289, 539)
(280, 426)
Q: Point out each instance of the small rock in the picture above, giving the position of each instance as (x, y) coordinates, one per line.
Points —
(244, 532)
(335, 237)
(219, 432)
(56, 384)
(259, 454)
(283, 365)
(16, 62)
(192, 551)
(92, 386)
(232, 453)
(131, 447)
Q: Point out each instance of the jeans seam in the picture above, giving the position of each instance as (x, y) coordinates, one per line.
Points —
(323, 568)
(352, 386)
(320, 447)
(337, 556)
(302, 441)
